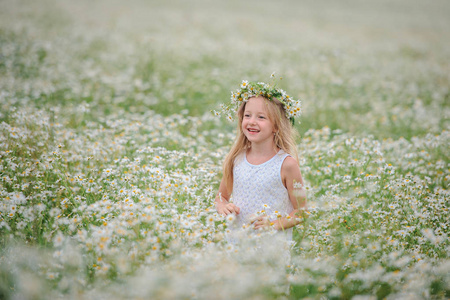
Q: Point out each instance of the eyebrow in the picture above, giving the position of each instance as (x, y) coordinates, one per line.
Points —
(259, 112)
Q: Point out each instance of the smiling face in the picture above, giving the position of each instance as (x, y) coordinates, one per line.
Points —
(256, 124)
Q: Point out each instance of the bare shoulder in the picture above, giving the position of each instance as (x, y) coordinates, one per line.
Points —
(290, 165)
(290, 170)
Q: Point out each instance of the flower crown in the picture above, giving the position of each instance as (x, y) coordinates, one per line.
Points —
(252, 89)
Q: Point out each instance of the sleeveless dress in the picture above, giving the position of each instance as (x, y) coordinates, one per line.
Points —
(258, 188)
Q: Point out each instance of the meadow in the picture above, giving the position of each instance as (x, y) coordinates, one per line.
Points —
(110, 156)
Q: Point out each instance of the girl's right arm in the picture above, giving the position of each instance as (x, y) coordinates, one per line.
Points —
(223, 206)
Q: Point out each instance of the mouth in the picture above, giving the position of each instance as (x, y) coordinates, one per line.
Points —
(252, 130)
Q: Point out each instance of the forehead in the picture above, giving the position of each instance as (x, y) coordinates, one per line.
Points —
(256, 104)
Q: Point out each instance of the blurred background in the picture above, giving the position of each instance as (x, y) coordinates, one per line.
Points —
(110, 156)
(365, 67)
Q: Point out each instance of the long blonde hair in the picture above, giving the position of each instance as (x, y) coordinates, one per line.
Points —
(284, 137)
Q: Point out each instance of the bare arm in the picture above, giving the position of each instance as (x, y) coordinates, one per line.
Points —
(293, 180)
(223, 205)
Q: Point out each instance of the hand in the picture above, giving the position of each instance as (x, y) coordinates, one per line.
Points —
(262, 222)
(227, 208)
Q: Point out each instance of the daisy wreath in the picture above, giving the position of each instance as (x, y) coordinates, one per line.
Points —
(254, 89)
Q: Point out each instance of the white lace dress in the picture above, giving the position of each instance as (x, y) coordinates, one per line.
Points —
(258, 188)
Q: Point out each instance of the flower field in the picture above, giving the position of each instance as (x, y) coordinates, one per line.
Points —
(110, 156)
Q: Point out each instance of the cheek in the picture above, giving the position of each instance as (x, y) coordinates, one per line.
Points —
(243, 128)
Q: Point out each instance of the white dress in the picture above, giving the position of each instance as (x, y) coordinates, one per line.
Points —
(258, 188)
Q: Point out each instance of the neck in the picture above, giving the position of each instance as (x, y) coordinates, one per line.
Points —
(263, 149)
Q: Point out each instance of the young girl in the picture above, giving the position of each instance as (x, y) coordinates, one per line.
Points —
(262, 183)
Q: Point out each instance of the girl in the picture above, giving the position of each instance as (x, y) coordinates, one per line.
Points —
(261, 171)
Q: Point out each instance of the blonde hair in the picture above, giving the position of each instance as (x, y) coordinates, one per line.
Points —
(284, 137)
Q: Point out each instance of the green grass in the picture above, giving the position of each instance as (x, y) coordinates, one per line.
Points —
(111, 157)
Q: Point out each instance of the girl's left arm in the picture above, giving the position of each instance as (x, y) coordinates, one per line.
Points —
(293, 180)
